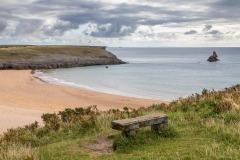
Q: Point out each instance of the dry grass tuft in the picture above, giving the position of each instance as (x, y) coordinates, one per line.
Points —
(18, 152)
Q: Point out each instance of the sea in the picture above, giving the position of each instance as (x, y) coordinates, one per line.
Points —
(155, 73)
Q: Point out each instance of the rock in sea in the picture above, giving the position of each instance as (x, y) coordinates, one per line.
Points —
(213, 57)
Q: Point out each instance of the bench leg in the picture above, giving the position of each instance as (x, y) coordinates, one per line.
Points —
(129, 133)
(157, 127)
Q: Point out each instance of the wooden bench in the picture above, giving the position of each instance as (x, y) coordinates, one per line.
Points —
(156, 121)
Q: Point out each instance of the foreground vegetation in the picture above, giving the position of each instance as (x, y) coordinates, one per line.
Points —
(202, 126)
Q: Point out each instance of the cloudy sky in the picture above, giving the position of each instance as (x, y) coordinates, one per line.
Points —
(145, 23)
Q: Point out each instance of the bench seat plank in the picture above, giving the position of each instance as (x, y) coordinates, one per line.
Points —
(135, 123)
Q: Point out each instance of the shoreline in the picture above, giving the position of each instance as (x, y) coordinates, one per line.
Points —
(25, 98)
(37, 74)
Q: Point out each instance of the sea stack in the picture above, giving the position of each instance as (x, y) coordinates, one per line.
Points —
(213, 57)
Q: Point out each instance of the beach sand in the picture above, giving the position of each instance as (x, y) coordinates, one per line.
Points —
(23, 99)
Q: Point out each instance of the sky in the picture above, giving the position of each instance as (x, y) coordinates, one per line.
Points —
(121, 23)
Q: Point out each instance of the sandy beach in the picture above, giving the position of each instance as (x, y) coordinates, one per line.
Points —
(23, 99)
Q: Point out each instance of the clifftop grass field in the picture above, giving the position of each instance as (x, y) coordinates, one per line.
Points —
(49, 57)
(202, 126)
(9, 52)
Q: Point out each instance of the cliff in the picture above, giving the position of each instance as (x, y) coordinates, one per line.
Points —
(50, 57)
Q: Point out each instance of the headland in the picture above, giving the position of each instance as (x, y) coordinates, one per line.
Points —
(21, 57)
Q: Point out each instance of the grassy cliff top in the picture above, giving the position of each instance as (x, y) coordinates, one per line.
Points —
(202, 126)
(10, 52)
(22, 57)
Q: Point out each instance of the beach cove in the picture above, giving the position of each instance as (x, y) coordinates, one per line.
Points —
(25, 98)
(119, 80)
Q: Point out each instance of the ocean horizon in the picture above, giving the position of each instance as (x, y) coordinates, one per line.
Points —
(155, 73)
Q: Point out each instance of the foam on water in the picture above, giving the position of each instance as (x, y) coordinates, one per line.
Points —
(41, 74)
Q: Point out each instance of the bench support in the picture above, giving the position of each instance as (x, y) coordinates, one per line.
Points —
(129, 133)
(130, 126)
(157, 127)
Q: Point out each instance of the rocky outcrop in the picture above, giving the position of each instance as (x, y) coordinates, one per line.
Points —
(213, 57)
(53, 61)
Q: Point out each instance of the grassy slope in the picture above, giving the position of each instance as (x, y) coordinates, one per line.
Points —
(205, 126)
(26, 52)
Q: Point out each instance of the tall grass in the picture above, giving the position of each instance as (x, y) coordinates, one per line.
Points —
(17, 152)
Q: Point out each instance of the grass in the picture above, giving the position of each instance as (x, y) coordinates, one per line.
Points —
(18, 151)
(202, 126)
(11, 52)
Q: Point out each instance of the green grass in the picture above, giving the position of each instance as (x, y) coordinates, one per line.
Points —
(11, 52)
(202, 126)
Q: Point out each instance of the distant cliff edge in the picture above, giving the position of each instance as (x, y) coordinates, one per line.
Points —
(51, 57)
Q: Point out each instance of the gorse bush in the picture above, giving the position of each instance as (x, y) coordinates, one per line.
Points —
(52, 121)
(78, 120)
(22, 135)
(210, 102)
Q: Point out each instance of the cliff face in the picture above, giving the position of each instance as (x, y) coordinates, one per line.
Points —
(51, 57)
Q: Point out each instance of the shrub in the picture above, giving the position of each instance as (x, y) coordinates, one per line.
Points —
(51, 121)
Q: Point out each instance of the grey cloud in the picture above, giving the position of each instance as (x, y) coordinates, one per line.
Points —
(27, 26)
(207, 27)
(190, 32)
(226, 4)
(58, 29)
(107, 26)
(69, 5)
(113, 30)
(208, 30)
(214, 32)
(183, 2)
(3, 25)
(225, 10)
(118, 20)
(127, 16)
